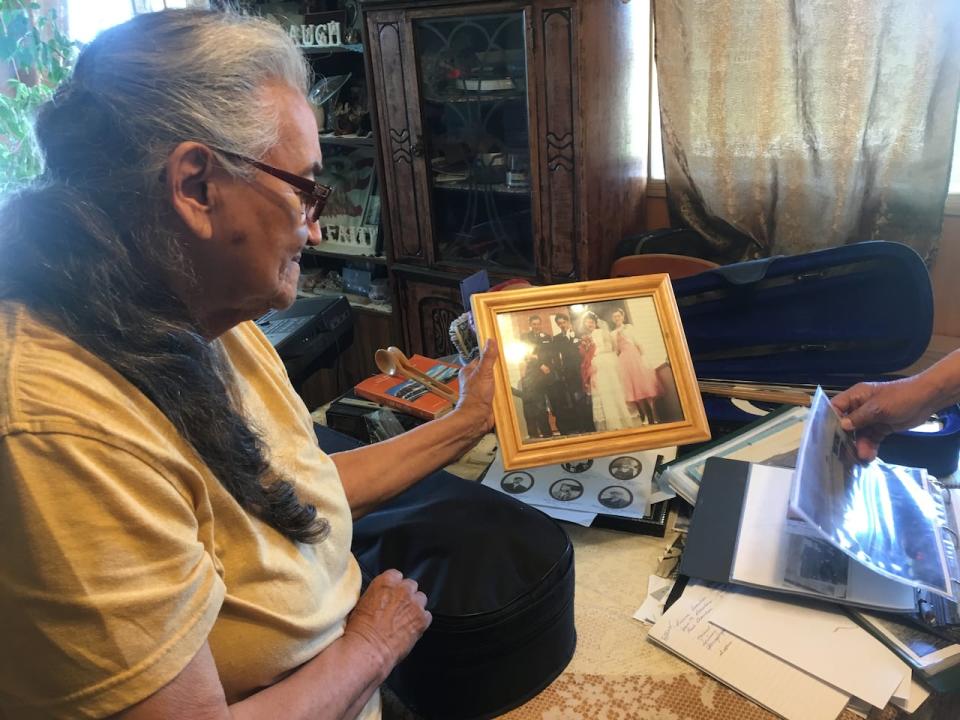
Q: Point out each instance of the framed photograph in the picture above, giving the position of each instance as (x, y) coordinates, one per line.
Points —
(590, 369)
(350, 172)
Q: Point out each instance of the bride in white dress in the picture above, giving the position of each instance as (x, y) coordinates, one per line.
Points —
(600, 369)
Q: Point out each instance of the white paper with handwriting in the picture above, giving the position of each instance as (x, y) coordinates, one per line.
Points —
(818, 639)
(686, 630)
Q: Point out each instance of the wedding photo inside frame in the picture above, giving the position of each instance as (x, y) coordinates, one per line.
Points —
(588, 368)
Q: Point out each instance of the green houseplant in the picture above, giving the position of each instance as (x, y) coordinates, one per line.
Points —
(35, 57)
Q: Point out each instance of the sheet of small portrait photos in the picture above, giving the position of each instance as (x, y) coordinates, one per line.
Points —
(622, 484)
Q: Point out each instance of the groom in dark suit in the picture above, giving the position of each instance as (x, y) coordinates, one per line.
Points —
(536, 378)
(570, 404)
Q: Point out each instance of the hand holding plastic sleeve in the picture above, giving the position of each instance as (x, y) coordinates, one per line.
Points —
(873, 410)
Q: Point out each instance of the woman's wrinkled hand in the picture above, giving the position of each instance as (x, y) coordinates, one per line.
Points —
(476, 388)
(873, 410)
(390, 617)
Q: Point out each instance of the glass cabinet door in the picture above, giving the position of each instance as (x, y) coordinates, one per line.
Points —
(473, 90)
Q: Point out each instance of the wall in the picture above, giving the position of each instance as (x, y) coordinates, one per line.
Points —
(945, 273)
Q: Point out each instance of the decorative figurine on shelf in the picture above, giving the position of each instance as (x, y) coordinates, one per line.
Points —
(322, 35)
(307, 35)
(352, 21)
(323, 97)
(347, 118)
(350, 115)
(328, 35)
(442, 69)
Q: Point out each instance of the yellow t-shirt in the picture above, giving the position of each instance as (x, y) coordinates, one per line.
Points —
(120, 553)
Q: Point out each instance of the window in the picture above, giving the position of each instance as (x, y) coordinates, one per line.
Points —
(657, 171)
(656, 186)
(86, 18)
(953, 199)
(656, 181)
(643, 94)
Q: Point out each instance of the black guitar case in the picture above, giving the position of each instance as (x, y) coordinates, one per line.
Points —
(499, 580)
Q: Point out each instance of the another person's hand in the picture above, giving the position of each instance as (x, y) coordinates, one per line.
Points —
(390, 617)
(874, 410)
(476, 388)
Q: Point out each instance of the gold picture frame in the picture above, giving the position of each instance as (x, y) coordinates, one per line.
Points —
(595, 384)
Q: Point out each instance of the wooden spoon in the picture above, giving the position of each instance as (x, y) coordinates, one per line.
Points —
(404, 362)
(387, 364)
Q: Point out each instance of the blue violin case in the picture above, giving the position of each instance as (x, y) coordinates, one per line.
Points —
(832, 317)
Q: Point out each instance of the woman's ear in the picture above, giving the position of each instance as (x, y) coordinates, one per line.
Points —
(189, 180)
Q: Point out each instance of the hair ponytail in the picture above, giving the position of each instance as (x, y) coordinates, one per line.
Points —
(91, 238)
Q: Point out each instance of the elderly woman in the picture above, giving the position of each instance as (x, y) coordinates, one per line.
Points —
(175, 543)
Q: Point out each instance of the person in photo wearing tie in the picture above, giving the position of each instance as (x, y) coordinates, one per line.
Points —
(567, 399)
(536, 378)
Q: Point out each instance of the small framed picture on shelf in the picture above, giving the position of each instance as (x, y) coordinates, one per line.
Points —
(323, 35)
(350, 239)
(590, 369)
(350, 172)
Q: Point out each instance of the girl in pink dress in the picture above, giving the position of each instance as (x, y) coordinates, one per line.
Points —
(640, 383)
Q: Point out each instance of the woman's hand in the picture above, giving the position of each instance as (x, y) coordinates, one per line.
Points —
(375, 473)
(476, 388)
(389, 617)
(874, 410)
(386, 622)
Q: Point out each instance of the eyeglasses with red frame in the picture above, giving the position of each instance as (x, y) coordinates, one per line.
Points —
(313, 195)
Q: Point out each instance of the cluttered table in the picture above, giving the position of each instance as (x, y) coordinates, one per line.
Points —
(616, 671)
(721, 636)
(618, 674)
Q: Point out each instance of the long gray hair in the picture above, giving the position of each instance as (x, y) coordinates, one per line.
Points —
(90, 246)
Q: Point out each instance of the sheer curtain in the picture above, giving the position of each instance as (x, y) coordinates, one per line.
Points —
(790, 126)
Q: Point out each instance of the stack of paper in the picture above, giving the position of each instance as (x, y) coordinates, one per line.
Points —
(799, 661)
(658, 589)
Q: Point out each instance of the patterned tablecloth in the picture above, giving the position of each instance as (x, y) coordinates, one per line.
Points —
(617, 674)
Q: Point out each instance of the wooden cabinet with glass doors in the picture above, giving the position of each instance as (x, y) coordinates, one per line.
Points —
(511, 136)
